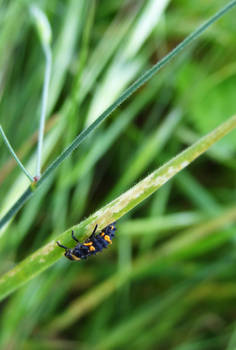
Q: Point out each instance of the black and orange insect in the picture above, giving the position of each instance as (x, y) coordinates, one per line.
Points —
(94, 244)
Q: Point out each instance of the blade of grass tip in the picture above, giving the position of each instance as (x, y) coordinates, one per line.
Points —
(49, 254)
(126, 94)
(14, 155)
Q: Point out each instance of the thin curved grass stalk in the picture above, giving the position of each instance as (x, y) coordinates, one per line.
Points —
(123, 97)
(5, 139)
(45, 35)
(49, 254)
(48, 55)
(24, 149)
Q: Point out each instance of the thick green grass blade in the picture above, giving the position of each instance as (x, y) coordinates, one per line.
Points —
(49, 254)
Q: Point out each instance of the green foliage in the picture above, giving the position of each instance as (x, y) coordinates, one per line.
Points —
(168, 280)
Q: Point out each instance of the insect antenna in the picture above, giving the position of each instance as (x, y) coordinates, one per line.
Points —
(62, 246)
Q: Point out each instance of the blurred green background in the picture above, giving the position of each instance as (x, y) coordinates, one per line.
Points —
(169, 280)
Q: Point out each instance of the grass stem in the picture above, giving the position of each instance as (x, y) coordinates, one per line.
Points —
(5, 139)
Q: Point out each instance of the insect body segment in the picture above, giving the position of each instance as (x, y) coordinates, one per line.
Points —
(94, 244)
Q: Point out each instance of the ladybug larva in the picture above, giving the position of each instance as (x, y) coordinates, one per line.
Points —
(95, 243)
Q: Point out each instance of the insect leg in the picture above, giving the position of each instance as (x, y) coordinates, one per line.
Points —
(73, 236)
(95, 228)
(62, 246)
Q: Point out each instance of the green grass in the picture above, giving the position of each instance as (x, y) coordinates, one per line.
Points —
(168, 280)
